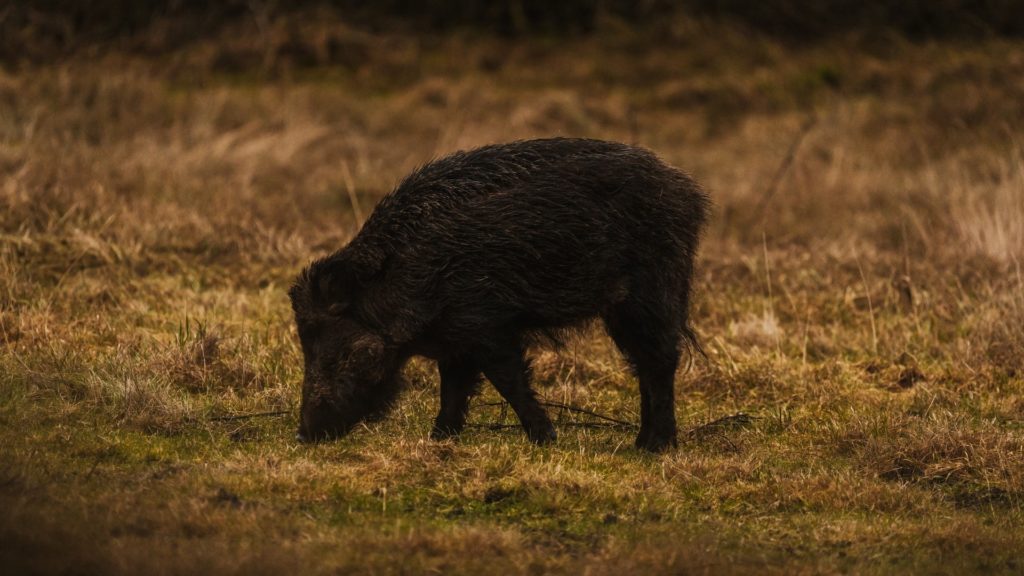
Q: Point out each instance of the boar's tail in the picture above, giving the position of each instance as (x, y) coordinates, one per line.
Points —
(692, 344)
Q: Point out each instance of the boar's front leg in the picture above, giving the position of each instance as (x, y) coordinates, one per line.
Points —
(459, 379)
(509, 371)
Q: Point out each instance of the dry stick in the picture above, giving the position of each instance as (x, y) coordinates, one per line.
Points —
(700, 432)
(486, 426)
(696, 433)
(771, 297)
(589, 413)
(569, 408)
(247, 416)
(871, 308)
(787, 162)
(803, 352)
(350, 188)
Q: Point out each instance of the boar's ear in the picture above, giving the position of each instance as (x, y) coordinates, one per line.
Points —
(333, 285)
(336, 283)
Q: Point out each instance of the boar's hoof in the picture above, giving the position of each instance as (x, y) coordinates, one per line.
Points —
(656, 444)
(542, 434)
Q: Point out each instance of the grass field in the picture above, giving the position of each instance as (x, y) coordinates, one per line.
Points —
(860, 297)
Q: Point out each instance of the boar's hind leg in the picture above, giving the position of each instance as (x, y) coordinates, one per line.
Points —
(459, 379)
(651, 345)
(509, 372)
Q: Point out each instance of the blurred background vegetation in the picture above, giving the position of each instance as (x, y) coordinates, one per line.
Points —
(46, 29)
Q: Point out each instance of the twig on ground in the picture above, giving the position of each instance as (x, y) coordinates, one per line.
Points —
(611, 425)
(706, 430)
(713, 428)
(229, 417)
(566, 407)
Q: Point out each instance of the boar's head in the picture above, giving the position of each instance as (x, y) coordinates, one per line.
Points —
(351, 372)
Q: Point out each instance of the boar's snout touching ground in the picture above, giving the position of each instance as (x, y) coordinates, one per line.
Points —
(474, 256)
(349, 375)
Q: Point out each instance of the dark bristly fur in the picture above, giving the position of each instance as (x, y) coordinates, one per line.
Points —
(476, 254)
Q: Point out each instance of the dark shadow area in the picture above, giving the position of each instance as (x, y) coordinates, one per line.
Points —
(43, 30)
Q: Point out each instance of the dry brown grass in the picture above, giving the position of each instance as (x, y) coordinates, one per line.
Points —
(154, 209)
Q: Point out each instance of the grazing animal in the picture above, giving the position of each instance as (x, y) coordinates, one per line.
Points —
(474, 256)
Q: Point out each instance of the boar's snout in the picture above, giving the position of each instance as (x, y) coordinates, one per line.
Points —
(319, 422)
